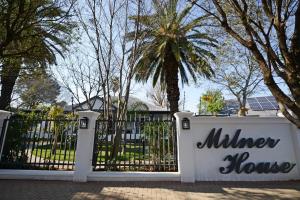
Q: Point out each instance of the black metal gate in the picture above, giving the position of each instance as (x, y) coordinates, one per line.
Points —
(45, 144)
(148, 143)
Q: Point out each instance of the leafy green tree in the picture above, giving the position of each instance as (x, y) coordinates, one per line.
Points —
(37, 88)
(238, 73)
(31, 34)
(212, 101)
(171, 44)
(270, 30)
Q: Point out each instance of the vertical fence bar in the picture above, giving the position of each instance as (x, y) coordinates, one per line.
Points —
(27, 141)
(68, 147)
(137, 124)
(140, 140)
(48, 144)
(106, 146)
(18, 149)
(163, 146)
(158, 144)
(169, 150)
(149, 144)
(175, 145)
(131, 122)
(42, 145)
(96, 146)
(145, 146)
(122, 163)
(38, 143)
(60, 133)
(75, 146)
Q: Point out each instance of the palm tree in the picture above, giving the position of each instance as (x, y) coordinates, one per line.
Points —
(39, 30)
(170, 44)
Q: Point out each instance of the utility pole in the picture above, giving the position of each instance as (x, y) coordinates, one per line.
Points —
(183, 104)
(72, 98)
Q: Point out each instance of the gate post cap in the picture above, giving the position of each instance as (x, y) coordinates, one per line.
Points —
(88, 114)
(180, 115)
(4, 113)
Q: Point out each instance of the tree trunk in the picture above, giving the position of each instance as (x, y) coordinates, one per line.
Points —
(171, 77)
(288, 60)
(9, 76)
(123, 103)
(243, 110)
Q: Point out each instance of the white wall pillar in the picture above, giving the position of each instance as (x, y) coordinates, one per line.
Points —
(296, 140)
(3, 115)
(84, 148)
(186, 162)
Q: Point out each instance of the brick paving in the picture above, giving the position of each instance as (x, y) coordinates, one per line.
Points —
(61, 190)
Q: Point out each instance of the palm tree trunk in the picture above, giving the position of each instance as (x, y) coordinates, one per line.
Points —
(171, 77)
(9, 76)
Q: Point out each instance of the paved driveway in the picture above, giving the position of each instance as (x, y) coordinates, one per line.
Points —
(60, 190)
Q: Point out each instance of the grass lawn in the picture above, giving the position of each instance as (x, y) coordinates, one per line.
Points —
(69, 155)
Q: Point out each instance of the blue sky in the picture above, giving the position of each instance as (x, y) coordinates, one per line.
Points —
(192, 95)
(192, 92)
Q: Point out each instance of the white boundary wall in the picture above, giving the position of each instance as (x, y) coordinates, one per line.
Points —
(83, 162)
(203, 164)
(3, 115)
(91, 176)
(194, 164)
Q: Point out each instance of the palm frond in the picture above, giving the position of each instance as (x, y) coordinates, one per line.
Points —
(166, 35)
(194, 23)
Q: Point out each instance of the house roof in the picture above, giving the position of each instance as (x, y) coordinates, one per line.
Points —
(96, 100)
(134, 103)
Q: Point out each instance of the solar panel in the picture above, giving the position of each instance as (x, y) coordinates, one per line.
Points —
(272, 105)
(267, 106)
(262, 103)
(275, 104)
(271, 98)
(255, 106)
(261, 99)
(251, 100)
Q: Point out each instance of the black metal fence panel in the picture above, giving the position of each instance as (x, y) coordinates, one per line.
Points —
(39, 144)
(147, 143)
